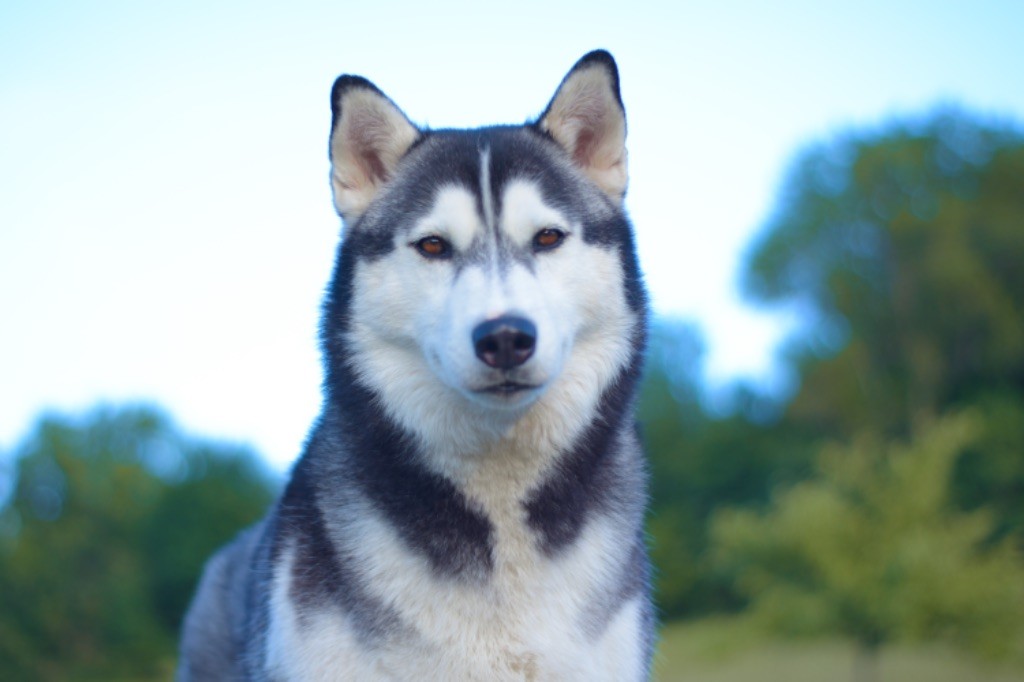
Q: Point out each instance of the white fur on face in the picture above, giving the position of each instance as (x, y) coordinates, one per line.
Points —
(413, 320)
(453, 217)
(525, 213)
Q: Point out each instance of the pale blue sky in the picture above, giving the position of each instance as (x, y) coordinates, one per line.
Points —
(166, 228)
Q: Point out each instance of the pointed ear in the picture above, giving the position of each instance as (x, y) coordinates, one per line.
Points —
(369, 135)
(586, 117)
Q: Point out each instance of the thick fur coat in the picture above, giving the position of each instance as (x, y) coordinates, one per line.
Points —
(469, 505)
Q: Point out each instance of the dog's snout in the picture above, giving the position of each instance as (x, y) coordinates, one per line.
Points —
(505, 342)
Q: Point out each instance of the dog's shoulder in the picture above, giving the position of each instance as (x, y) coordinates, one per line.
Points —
(215, 645)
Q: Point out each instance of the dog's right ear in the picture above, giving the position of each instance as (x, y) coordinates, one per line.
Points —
(587, 119)
(369, 135)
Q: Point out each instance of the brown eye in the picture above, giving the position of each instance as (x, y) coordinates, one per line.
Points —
(548, 238)
(433, 247)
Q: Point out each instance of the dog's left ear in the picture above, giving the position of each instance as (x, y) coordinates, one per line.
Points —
(369, 136)
(587, 119)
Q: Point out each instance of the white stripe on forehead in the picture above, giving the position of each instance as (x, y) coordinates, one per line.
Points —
(453, 217)
(487, 201)
(524, 212)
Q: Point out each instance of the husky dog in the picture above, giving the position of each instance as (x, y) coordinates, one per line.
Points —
(469, 504)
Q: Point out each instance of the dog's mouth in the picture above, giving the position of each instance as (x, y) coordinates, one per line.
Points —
(506, 388)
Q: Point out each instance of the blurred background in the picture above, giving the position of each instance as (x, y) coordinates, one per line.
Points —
(829, 203)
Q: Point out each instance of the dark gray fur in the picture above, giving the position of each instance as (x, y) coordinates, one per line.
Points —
(357, 456)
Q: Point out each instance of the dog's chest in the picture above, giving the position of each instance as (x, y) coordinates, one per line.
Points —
(532, 618)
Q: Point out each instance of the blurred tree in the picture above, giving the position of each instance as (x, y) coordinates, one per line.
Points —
(903, 248)
(108, 522)
(699, 462)
(872, 549)
(227, 490)
(670, 414)
(991, 472)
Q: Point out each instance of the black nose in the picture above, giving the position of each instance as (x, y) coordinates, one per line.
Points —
(505, 342)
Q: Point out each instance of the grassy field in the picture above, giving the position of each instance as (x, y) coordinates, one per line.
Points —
(723, 651)
(726, 651)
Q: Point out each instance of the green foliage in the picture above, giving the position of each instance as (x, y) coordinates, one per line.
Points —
(991, 472)
(110, 519)
(699, 462)
(903, 247)
(871, 548)
(730, 650)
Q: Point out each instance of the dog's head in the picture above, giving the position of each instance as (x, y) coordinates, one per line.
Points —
(483, 266)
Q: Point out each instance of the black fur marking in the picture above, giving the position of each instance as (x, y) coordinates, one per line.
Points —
(370, 245)
(430, 514)
(319, 574)
(585, 480)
